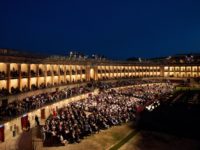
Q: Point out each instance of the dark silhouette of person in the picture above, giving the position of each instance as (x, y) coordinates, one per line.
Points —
(37, 120)
(28, 125)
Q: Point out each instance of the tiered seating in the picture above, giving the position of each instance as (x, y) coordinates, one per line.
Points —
(110, 108)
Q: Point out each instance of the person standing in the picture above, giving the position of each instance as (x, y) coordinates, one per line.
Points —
(28, 125)
(37, 120)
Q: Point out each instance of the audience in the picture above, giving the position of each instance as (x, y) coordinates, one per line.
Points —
(3, 91)
(17, 108)
(15, 90)
(41, 72)
(2, 74)
(14, 73)
(61, 72)
(111, 107)
(33, 73)
(24, 74)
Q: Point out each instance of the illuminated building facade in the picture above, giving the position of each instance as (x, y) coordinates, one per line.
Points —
(25, 73)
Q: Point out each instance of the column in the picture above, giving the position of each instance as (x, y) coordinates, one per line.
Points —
(29, 76)
(20, 77)
(8, 78)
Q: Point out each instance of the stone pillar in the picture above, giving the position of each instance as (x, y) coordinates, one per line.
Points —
(20, 77)
(29, 76)
(45, 75)
(37, 75)
(87, 71)
(81, 77)
(75, 73)
(52, 74)
(8, 78)
(70, 74)
(162, 71)
(64, 69)
(95, 73)
(58, 70)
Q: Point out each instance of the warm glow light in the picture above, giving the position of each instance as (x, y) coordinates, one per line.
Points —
(92, 73)
(6, 124)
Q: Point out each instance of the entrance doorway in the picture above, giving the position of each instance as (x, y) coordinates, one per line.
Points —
(43, 113)
(1, 133)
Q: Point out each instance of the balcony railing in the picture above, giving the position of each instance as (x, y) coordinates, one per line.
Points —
(14, 74)
(33, 73)
(3, 75)
(49, 73)
(24, 74)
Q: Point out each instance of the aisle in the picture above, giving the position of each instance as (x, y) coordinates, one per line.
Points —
(25, 141)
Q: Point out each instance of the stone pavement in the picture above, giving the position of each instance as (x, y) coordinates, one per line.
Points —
(10, 144)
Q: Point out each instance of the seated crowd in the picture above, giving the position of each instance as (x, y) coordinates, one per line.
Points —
(2, 74)
(24, 74)
(14, 73)
(109, 108)
(19, 107)
(3, 91)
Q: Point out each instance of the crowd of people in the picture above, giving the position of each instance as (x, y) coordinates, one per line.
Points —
(2, 74)
(14, 73)
(3, 91)
(19, 107)
(109, 108)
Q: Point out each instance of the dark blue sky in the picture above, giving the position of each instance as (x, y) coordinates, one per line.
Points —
(117, 29)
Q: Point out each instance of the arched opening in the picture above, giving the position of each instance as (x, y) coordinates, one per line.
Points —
(92, 74)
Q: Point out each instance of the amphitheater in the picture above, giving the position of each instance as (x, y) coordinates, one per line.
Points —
(77, 103)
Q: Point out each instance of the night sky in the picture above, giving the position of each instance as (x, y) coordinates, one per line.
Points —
(117, 29)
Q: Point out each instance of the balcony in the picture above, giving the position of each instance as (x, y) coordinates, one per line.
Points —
(24, 74)
(4, 92)
(49, 73)
(78, 71)
(83, 71)
(15, 90)
(55, 73)
(103, 71)
(25, 89)
(67, 72)
(2, 75)
(61, 72)
(14, 74)
(42, 86)
(33, 73)
(41, 73)
(34, 87)
(73, 72)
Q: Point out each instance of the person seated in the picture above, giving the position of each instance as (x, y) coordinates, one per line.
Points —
(24, 74)
(41, 72)
(62, 140)
(48, 73)
(33, 73)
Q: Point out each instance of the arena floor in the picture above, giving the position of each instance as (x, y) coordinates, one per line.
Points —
(105, 139)
(142, 140)
(146, 140)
